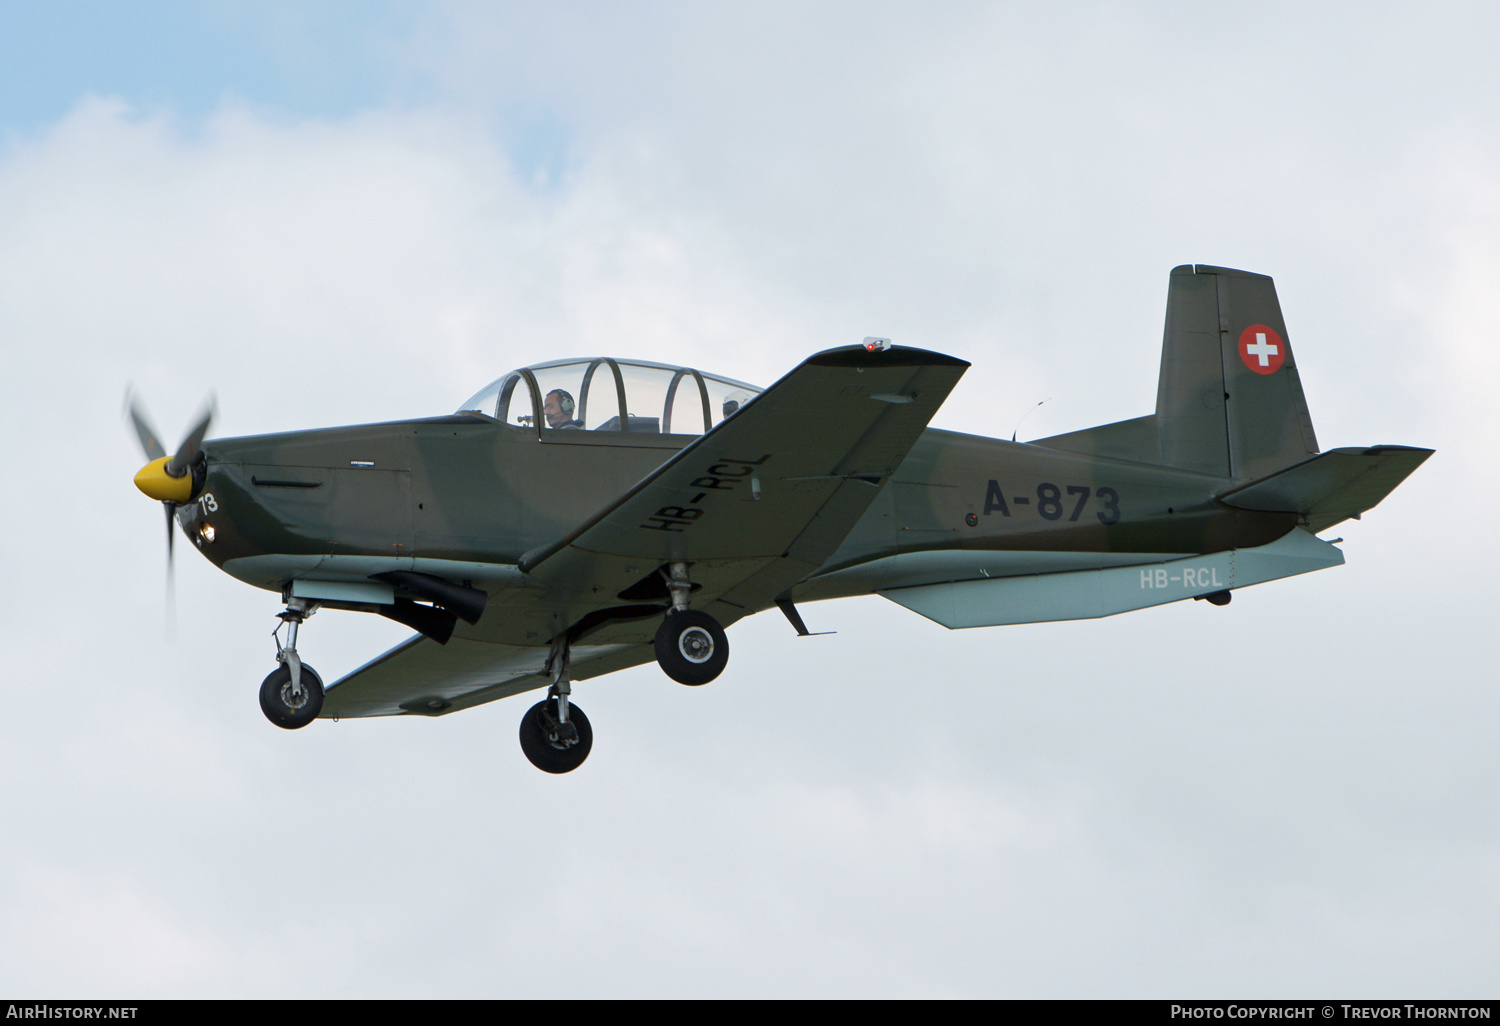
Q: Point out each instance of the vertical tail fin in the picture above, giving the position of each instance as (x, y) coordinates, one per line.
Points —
(1229, 401)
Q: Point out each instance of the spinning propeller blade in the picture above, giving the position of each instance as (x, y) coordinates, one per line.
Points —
(178, 465)
(144, 430)
(168, 480)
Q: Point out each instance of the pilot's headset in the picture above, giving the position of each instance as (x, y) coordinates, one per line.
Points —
(565, 402)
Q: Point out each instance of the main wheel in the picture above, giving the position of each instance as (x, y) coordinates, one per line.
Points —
(542, 745)
(286, 710)
(691, 647)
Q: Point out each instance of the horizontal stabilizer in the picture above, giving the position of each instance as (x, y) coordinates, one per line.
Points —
(1086, 594)
(1335, 486)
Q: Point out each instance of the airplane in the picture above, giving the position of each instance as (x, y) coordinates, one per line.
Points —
(579, 517)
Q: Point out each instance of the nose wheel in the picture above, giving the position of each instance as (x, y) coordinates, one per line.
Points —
(285, 706)
(292, 696)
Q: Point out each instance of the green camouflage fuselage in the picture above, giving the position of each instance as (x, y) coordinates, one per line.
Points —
(466, 488)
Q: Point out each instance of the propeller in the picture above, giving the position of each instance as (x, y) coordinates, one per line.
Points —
(168, 479)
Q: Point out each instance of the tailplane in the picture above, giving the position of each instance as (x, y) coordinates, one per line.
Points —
(1338, 485)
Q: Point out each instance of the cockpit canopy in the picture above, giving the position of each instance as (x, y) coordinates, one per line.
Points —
(611, 395)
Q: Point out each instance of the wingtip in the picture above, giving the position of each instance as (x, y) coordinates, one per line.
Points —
(895, 356)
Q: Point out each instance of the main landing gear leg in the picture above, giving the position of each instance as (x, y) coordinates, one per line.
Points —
(555, 734)
(292, 696)
(690, 645)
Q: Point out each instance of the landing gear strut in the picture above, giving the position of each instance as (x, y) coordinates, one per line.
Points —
(555, 734)
(292, 696)
(690, 645)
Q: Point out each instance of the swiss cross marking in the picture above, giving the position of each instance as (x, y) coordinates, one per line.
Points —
(1261, 349)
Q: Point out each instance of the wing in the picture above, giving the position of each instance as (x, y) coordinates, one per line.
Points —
(421, 677)
(763, 499)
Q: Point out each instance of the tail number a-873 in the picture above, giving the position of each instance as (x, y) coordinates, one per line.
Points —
(1052, 505)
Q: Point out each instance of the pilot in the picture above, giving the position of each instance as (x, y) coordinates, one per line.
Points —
(558, 407)
(735, 400)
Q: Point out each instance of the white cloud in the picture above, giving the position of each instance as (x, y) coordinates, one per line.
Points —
(1279, 797)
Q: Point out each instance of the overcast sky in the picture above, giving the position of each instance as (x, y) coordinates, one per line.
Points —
(368, 211)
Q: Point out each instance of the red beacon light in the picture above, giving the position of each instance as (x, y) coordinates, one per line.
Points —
(877, 345)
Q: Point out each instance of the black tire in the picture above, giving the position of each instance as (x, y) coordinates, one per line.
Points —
(691, 647)
(276, 697)
(545, 753)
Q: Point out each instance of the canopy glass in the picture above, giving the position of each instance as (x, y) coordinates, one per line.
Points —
(605, 394)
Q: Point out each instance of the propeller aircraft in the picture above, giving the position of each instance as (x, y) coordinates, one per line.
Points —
(584, 516)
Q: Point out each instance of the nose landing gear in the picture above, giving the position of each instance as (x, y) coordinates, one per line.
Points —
(292, 695)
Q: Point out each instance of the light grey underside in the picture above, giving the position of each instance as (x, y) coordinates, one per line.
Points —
(1085, 594)
(270, 571)
(421, 677)
(956, 589)
(940, 566)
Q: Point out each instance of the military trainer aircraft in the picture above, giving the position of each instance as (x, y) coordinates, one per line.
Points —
(579, 517)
